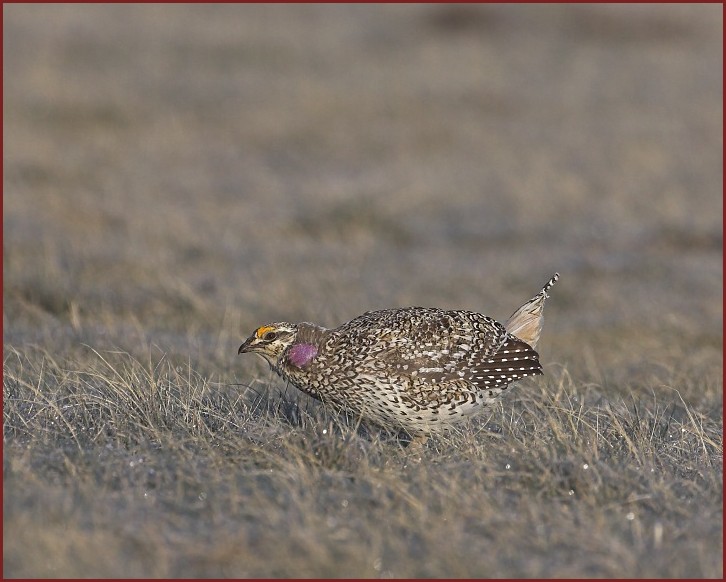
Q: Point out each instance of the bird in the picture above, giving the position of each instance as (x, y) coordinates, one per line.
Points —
(419, 369)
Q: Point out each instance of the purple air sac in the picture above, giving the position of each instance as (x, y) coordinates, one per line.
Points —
(300, 355)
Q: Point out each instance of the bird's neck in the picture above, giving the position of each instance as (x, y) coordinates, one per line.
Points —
(308, 343)
(309, 333)
(300, 355)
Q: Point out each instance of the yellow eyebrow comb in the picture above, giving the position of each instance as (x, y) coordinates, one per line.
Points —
(262, 330)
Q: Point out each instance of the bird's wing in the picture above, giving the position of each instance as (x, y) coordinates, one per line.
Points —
(432, 346)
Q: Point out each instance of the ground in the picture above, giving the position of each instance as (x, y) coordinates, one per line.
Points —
(175, 176)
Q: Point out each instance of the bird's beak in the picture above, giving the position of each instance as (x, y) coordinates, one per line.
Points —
(245, 347)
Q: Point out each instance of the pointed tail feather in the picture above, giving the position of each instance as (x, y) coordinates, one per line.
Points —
(526, 322)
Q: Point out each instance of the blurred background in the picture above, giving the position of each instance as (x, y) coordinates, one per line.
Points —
(175, 176)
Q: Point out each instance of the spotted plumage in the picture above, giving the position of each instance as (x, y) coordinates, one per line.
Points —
(415, 368)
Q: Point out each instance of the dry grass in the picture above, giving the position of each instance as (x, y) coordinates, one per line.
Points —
(152, 469)
(176, 176)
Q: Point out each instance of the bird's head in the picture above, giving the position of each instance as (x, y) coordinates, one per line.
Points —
(270, 341)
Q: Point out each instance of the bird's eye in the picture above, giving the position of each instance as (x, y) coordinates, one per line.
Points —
(269, 336)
